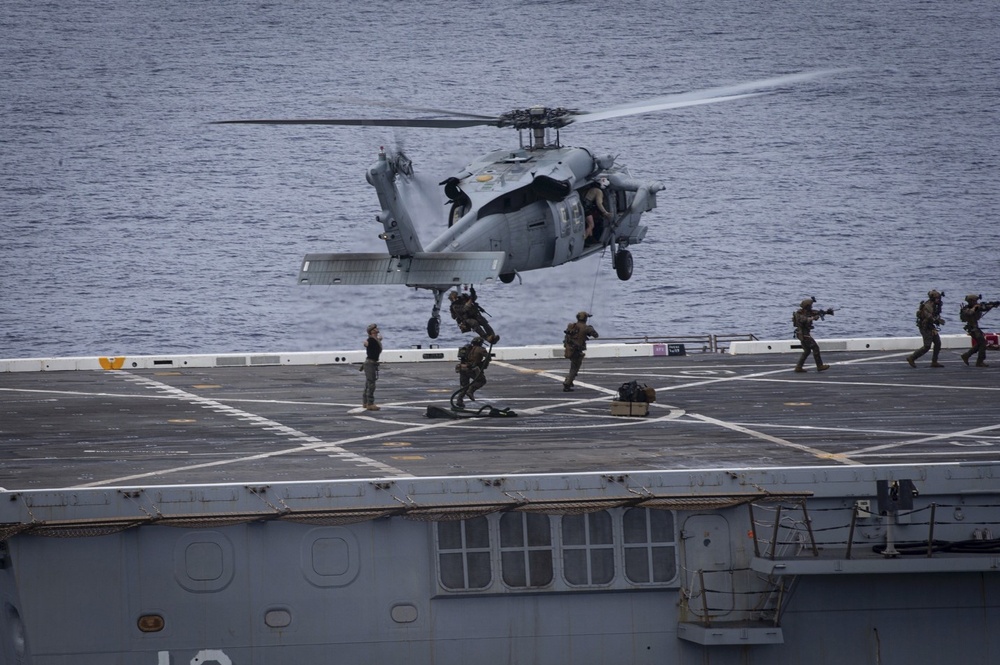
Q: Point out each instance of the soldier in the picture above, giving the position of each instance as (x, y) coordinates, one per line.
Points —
(469, 315)
(928, 320)
(971, 312)
(472, 371)
(574, 345)
(593, 206)
(373, 349)
(803, 319)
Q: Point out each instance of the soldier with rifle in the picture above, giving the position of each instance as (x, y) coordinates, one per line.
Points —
(575, 345)
(970, 314)
(928, 321)
(473, 361)
(469, 315)
(803, 320)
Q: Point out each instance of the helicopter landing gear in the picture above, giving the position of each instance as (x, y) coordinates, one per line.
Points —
(622, 261)
(507, 277)
(434, 323)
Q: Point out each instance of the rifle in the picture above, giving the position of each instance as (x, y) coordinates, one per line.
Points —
(472, 295)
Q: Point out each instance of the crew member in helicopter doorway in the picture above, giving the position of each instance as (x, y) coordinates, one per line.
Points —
(593, 208)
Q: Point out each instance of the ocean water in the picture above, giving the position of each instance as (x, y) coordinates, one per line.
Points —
(130, 225)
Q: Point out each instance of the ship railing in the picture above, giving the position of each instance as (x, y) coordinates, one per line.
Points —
(707, 343)
(786, 531)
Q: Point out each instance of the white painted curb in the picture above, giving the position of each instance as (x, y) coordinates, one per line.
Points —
(449, 354)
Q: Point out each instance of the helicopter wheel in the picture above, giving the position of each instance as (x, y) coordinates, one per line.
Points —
(623, 264)
(433, 327)
(507, 277)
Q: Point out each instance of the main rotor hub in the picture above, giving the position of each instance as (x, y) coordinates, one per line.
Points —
(537, 117)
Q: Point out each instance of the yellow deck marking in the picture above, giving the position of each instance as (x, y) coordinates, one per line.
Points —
(112, 363)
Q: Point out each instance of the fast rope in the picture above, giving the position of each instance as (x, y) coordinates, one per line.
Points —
(597, 274)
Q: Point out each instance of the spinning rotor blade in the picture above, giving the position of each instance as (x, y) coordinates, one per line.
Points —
(372, 122)
(707, 96)
(539, 117)
(662, 106)
(419, 109)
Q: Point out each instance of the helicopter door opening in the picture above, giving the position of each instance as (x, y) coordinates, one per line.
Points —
(569, 221)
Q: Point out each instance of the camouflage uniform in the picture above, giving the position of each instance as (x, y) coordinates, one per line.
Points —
(575, 344)
(971, 312)
(928, 320)
(472, 372)
(373, 349)
(469, 316)
(803, 319)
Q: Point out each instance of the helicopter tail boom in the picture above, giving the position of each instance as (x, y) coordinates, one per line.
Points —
(441, 270)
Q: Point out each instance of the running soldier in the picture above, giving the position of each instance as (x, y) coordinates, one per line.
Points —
(575, 345)
(928, 321)
(803, 320)
(970, 314)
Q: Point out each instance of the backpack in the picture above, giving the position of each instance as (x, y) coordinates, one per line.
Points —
(570, 347)
(632, 392)
(463, 356)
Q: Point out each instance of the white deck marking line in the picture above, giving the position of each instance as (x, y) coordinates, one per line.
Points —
(884, 385)
(714, 421)
(308, 442)
(936, 437)
(81, 394)
(853, 430)
(815, 452)
(938, 453)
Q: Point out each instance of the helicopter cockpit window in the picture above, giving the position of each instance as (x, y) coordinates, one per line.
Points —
(510, 202)
(564, 226)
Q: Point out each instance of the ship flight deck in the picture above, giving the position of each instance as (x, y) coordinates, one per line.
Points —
(204, 425)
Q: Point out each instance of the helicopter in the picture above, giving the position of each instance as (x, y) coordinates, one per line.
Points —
(511, 211)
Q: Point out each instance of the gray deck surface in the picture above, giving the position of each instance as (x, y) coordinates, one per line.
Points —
(296, 423)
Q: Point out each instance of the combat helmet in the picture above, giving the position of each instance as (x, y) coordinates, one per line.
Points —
(372, 326)
(806, 304)
(582, 316)
(933, 293)
(971, 298)
(477, 340)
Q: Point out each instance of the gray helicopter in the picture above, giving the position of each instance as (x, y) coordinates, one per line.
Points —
(510, 210)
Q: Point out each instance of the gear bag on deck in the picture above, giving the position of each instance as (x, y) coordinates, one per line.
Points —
(633, 391)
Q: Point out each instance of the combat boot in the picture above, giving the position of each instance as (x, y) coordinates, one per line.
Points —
(910, 360)
(820, 368)
(373, 407)
(935, 363)
(494, 339)
(982, 364)
(800, 368)
(965, 358)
